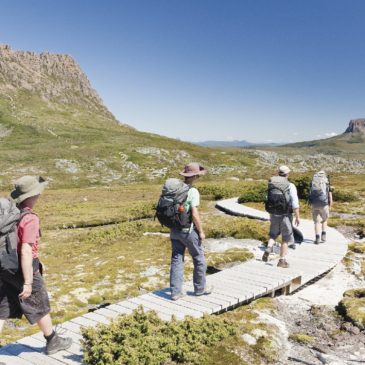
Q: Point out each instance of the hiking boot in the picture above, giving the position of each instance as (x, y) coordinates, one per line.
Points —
(283, 263)
(58, 343)
(317, 240)
(265, 256)
(177, 296)
(323, 237)
(206, 291)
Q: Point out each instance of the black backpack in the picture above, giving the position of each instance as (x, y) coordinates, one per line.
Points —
(170, 210)
(10, 217)
(278, 196)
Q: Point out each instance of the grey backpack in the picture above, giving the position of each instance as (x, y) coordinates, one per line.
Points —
(10, 216)
(278, 196)
(319, 189)
(170, 210)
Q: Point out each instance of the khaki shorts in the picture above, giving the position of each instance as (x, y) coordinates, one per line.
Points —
(320, 214)
(281, 224)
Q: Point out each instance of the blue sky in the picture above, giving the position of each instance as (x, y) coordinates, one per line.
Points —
(260, 70)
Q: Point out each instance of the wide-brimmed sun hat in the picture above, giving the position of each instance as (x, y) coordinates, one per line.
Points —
(193, 169)
(26, 187)
(283, 170)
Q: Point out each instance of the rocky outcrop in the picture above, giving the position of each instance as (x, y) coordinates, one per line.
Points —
(54, 77)
(356, 126)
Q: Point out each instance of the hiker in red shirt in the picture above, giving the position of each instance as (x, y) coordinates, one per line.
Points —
(24, 293)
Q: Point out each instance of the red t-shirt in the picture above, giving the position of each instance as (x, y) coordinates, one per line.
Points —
(28, 232)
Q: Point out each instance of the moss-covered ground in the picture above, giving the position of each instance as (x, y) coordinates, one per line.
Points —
(352, 307)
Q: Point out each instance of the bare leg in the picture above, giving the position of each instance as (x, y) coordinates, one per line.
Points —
(324, 226)
(270, 243)
(2, 321)
(283, 249)
(45, 324)
(317, 227)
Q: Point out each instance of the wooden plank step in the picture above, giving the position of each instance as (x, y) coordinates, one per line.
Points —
(40, 346)
(10, 359)
(32, 356)
(117, 307)
(215, 305)
(252, 278)
(132, 306)
(163, 312)
(153, 298)
(84, 322)
(99, 318)
(107, 312)
(239, 287)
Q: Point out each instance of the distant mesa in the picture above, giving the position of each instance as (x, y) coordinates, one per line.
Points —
(356, 126)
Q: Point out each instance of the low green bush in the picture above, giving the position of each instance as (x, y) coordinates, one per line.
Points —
(302, 184)
(220, 190)
(143, 338)
(219, 259)
(343, 196)
(253, 193)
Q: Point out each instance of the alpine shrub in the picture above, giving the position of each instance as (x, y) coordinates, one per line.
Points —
(143, 338)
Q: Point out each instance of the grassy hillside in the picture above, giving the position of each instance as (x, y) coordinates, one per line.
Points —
(346, 144)
(75, 146)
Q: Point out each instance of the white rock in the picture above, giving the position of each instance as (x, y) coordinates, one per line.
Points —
(250, 340)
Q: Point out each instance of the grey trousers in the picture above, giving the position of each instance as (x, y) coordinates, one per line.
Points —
(180, 241)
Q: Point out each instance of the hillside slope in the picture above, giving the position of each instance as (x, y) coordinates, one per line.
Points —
(53, 123)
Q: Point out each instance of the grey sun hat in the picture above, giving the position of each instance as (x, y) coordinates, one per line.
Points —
(26, 187)
(283, 170)
(193, 169)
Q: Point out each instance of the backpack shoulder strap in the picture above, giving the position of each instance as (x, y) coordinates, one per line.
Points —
(23, 213)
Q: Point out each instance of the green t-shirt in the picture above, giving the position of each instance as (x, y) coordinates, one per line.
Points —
(193, 199)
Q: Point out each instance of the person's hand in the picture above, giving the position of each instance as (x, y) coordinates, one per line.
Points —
(297, 221)
(27, 291)
(202, 236)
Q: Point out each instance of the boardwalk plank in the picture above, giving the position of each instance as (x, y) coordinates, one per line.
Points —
(162, 312)
(31, 355)
(10, 359)
(97, 317)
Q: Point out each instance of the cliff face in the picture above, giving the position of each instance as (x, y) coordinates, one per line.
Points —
(356, 126)
(54, 77)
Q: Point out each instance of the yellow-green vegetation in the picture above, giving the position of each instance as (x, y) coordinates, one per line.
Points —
(142, 338)
(237, 227)
(357, 247)
(356, 253)
(301, 338)
(221, 259)
(352, 307)
(255, 192)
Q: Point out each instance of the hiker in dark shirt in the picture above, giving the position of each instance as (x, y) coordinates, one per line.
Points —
(24, 293)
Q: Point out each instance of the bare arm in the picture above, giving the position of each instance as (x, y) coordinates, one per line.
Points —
(330, 199)
(297, 216)
(197, 222)
(26, 260)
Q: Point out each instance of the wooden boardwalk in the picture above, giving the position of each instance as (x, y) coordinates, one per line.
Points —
(232, 287)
